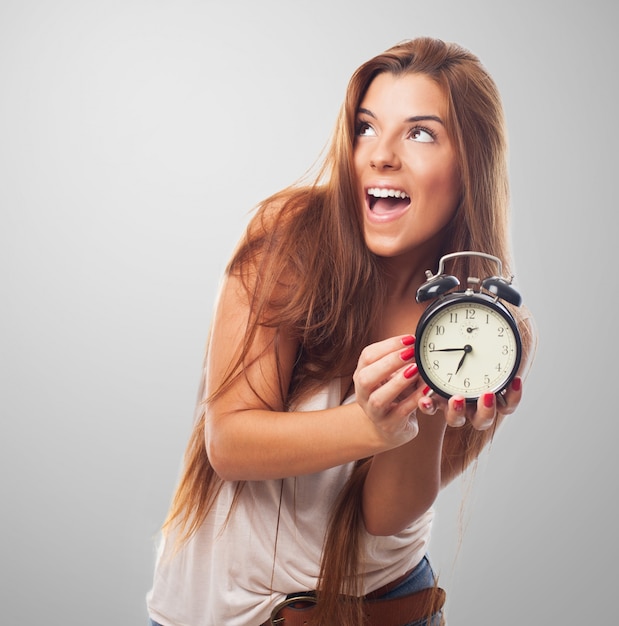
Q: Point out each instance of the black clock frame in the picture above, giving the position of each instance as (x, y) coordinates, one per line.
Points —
(460, 297)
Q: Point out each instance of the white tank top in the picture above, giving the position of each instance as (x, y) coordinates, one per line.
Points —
(234, 573)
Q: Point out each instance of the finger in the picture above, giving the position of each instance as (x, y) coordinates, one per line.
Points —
(394, 414)
(378, 364)
(511, 397)
(455, 415)
(375, 351)
(427, 403)
(394, 391)
(486, 412)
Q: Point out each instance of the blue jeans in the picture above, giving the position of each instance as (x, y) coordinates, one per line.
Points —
(420, 578)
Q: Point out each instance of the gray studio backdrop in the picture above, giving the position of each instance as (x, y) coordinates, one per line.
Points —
(135, 137)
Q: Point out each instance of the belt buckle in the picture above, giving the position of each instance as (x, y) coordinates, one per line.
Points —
(278, 621)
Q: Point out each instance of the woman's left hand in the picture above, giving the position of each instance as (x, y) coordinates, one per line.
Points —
(482, 415)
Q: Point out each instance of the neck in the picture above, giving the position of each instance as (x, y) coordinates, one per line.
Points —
(404, 274)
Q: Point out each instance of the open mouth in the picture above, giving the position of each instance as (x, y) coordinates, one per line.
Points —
(382, 201)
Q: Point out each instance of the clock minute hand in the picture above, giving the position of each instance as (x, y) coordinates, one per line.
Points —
(448, 349)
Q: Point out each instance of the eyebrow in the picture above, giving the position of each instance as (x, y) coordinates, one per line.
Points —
(414, 118)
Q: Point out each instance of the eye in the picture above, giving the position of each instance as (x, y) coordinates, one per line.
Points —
(423, 135)
(365, 130)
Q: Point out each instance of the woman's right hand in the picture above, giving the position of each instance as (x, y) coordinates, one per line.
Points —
(387, 387)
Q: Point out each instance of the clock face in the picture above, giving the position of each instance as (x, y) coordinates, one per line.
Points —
(467, 345)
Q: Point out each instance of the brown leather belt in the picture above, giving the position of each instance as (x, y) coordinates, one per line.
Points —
(298, 610)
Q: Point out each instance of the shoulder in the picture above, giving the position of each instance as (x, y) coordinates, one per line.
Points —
(278, 236)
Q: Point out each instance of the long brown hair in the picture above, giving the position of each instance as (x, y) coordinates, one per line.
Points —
(308, 272)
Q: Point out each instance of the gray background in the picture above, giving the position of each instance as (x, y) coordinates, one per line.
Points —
(135, 136)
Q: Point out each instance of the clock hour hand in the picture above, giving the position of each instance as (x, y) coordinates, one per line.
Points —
(448, 349)
(466, 349)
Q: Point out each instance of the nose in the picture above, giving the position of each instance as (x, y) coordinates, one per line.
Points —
(384, 156)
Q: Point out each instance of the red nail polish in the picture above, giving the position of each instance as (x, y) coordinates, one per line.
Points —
(517, 383)
(410, 371)
(488, 400)
(409, 340)
(427, 404)
(407, 354)
(426, 390)
(459, 404)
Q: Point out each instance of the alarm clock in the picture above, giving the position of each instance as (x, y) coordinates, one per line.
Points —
(467, 342)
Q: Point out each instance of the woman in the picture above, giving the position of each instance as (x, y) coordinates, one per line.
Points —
(317, 452)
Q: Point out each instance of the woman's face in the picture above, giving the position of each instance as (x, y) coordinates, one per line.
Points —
(406, 165)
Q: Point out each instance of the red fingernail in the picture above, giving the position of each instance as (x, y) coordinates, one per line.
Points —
(427, 404)
(410, 371)
(517, 383)
(409, 340)
(425, 391)
(407, 354)
(488, 400)
(458, 404)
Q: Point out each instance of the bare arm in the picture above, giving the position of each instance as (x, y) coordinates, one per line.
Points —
(249, 435)
(403, 482)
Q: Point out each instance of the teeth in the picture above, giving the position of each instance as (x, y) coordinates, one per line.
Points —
(379, 192)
